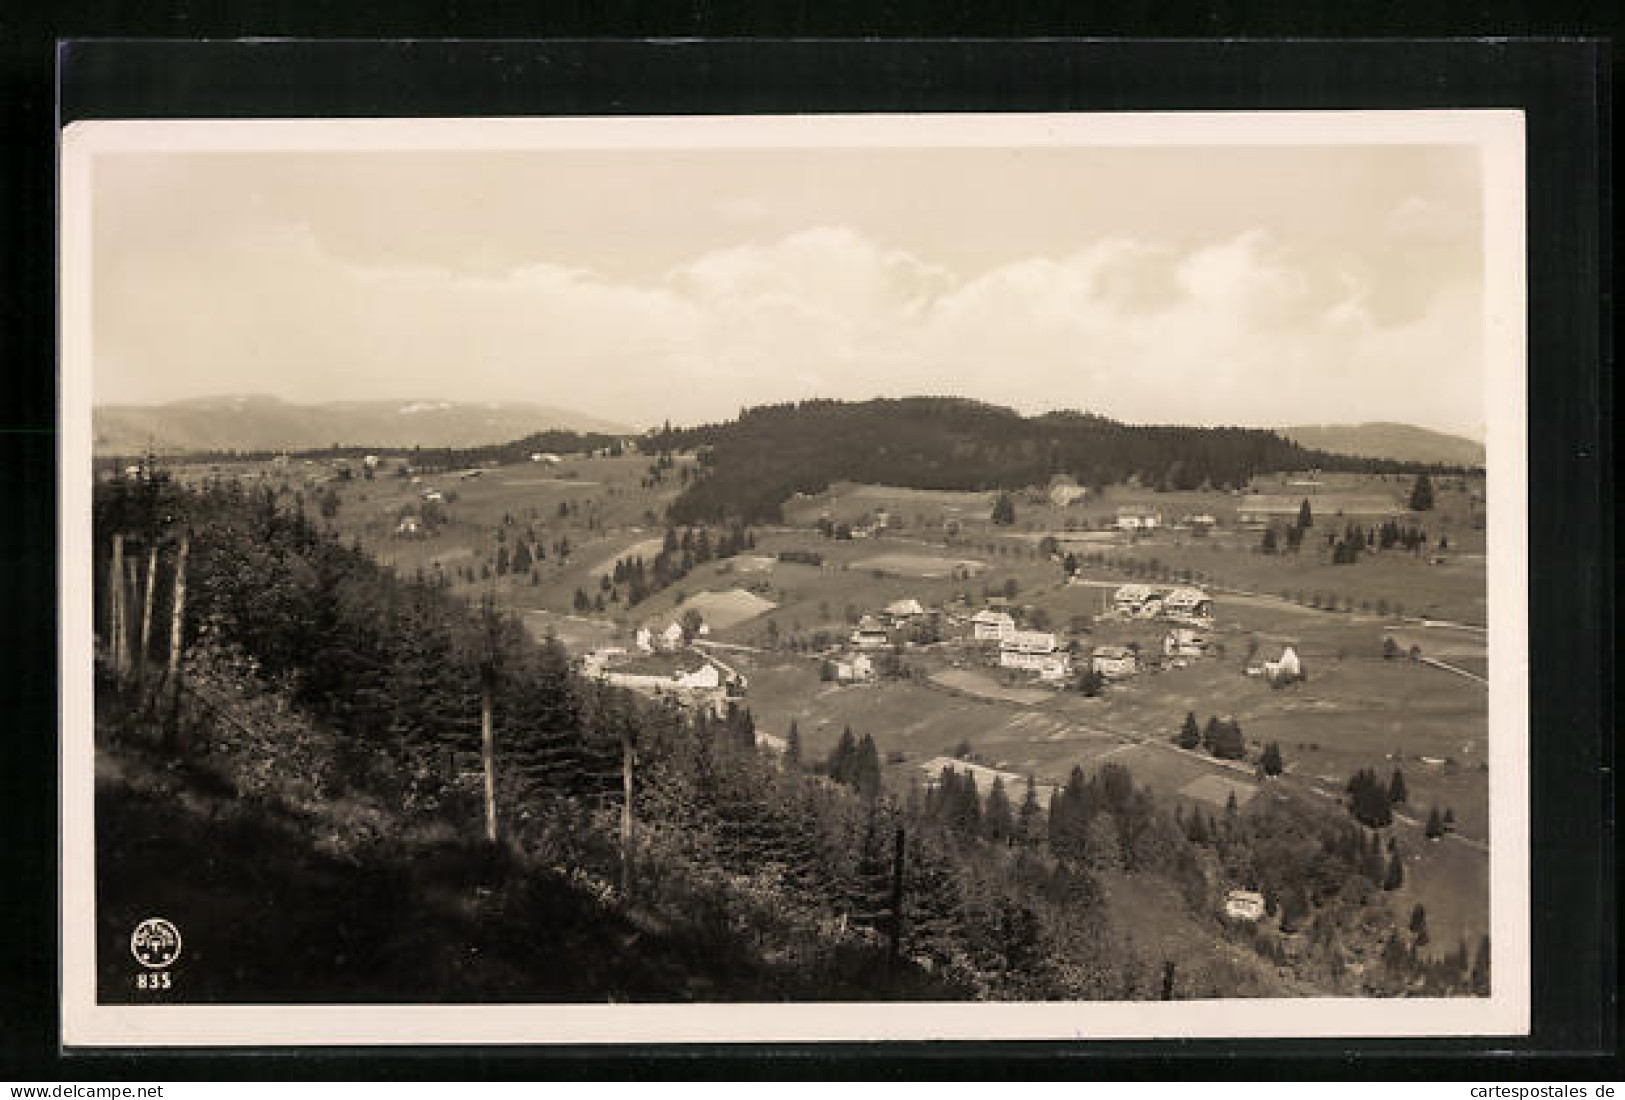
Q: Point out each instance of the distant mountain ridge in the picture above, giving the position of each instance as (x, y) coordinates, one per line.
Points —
(1384, 439)
(258, 423)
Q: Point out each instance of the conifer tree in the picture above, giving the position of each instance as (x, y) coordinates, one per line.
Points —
(1272, 759)
(1395, 877)
(998, 820)
(1397, 794)
(1422, 494)
(1189, 735)
(792, 746)
(866, 770)
(1029, 823)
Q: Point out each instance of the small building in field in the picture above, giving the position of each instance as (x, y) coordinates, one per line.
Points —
(1247, 905)
(1188, 603)
(1130, 598)
(1133, 517)
(903, 611)
(434, 496)
(408, 527)
(1114, 662)
(1035, 651)
(707, 676)
(870, 634)
(859, 670)
(1183, 641)
(1285, 667)
(370, 462)
(991, 626)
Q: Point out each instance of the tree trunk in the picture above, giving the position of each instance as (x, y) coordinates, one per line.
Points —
(626, 811)
(132, 589)
(896, 946)
(177, 619)
(1168, 979)
(488, 753)
(146, 613)
(115, 606)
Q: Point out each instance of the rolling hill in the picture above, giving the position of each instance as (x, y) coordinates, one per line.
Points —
(1400, 442)
(259, 423)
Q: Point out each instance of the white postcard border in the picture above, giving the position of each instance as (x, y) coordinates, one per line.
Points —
(1499, 135)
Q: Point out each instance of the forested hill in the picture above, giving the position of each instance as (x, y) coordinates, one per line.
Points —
(771, 452)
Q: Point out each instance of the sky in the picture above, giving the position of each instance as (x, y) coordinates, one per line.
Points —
(1203, 285)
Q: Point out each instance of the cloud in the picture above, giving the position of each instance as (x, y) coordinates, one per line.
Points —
(1236, 330)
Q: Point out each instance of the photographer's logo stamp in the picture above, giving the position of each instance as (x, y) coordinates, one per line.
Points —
(155, 943)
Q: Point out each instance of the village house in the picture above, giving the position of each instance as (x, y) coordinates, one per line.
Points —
(1247, 905)
(1183, 641)
(408, 527)
(859, 670)
(1138, 600)
(370, 462)
(902, 612)
(870, 634)
(649, 638)
(1188, 603)
(543, 456)
(1114, 661)
(1284, 666)
(991, 626)
(434, 496)
(707, 676)
(1131, 517)
(1035, 651)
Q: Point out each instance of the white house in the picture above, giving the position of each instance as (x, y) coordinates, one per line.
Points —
(992, 626)
(1033, 650)
(703, 677)
(1135, 518)
(1114, 661)
(434, 496)
(1247, 905)
(1182, 641)
(1130, 598)
(1285, 667)
(645, 639)
(671, 637)
(858, 670)
(543, 456)
(408, 527)
(870, 634)
(1188, 603)
(903, 610)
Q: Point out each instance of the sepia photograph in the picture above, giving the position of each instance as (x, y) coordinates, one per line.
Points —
(794, 578)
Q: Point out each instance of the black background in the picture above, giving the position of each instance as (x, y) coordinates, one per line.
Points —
(1564, 86)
